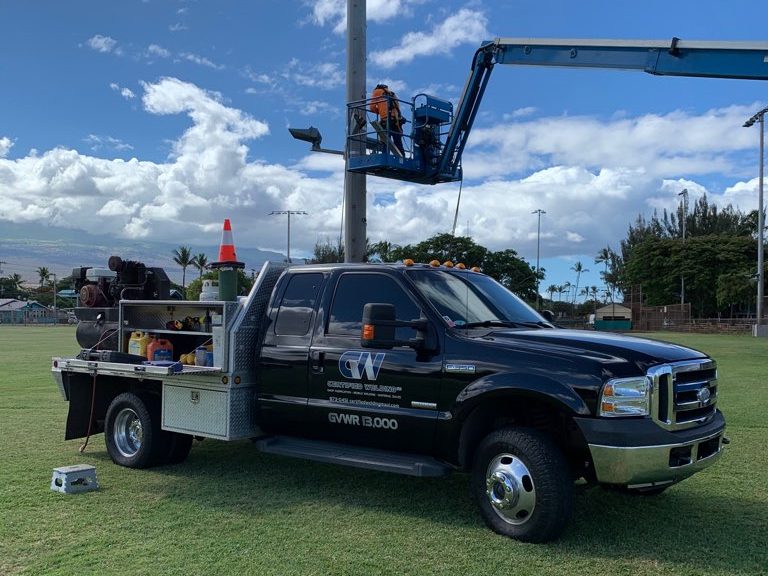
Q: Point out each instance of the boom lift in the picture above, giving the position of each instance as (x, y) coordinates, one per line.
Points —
(433, 147)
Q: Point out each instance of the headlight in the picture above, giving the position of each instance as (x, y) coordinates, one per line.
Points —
(626, 397)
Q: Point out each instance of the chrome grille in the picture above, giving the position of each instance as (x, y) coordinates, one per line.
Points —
(684, 394)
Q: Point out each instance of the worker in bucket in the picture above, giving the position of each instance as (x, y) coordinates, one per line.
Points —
(384, 103)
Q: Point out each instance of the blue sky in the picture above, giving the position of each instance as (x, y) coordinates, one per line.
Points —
(159, 119)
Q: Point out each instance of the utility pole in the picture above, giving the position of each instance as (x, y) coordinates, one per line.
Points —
(538, 211)
(760, 117)
(55, 313)
(354, 184)
(684, 194)
(288, 212)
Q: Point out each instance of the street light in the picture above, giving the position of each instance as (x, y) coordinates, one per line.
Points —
(288, 212)
(759, 117)
(55, 313)
(313, 136)
(684, 194)
(538, 211)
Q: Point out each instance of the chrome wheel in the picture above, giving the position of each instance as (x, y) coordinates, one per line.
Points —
(510, 489)
(128, 432)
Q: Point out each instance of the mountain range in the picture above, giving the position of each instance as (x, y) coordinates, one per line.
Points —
(23, 251)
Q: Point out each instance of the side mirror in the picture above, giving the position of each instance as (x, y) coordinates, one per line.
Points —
(548, 315)
(379, 324)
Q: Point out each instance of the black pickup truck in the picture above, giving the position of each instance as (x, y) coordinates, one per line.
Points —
(408, 368)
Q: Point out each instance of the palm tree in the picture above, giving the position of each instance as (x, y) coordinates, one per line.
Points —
(44, 274)
(593, 293)
(200, 261)
(552, 289)
(578, 268)
(16, 281)
(606, 256)
(183, 257)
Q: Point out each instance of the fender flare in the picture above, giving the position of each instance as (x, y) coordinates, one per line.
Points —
(496, 387)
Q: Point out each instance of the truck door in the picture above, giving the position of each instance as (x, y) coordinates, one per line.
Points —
(283, 376)
(385, 398)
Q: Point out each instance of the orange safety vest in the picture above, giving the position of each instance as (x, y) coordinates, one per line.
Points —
(380, 104)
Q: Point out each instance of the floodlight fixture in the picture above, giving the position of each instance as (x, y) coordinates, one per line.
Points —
(313, 136)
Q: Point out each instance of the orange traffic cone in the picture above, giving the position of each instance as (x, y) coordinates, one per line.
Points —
(227, 246)
(227, 265)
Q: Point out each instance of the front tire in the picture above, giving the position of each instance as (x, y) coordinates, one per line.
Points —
(522, 485)
(132, 432)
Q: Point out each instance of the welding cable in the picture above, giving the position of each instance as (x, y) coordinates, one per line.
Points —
(90, 419)
(106, 334)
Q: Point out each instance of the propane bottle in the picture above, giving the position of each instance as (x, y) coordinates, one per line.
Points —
(138, 343)
(160, 349)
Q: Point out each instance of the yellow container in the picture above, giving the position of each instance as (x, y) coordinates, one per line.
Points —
(138, 343)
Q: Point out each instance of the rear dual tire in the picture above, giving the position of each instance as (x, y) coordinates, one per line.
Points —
(134, 437)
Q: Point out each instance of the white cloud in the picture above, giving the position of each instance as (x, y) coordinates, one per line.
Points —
(157, 50)
(466, 26)
(590, 196)
(177, 27)
(101, 43)
(201, 60)
(5, 146)
(98, 143)
(520, 113)
(126, 93)
(674, 143)
(334, 12)
(315, 107)
(323, 75)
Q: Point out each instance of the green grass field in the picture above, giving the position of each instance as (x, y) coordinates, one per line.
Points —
(232, 510)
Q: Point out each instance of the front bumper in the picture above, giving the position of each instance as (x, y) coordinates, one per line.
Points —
(639, 454)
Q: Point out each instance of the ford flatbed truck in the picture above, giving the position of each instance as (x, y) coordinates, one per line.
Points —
(413, 369)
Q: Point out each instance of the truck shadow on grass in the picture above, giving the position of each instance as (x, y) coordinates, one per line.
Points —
(692, 524)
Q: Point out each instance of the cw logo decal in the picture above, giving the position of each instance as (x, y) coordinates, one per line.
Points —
(354, 364)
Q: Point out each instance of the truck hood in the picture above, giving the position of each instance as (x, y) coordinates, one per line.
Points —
(599, 346)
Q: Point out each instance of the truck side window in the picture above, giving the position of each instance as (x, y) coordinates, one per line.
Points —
(356, 290)
(295, 314)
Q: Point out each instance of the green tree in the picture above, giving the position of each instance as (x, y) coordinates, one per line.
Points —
(510, 270)
(382, 251)
(735, 289)
(658, 263)
(505, 265)
(443, 247)
(44, 275)
(327, 253)
(183, 257)
(578, 268)
(200, 261)
(552, 288)
(11, 287)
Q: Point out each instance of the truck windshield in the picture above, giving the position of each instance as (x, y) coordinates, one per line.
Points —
(470, 299)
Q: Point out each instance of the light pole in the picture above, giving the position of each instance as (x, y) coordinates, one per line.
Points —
(288, 212)
(538, 211)
(55, 313)
(684, 194)
(759, 117)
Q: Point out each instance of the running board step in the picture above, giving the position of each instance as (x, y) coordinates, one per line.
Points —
(355, 456)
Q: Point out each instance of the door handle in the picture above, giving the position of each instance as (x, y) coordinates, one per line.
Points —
(318, 361)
